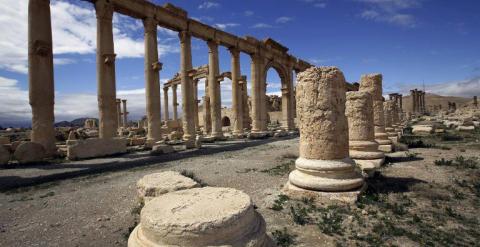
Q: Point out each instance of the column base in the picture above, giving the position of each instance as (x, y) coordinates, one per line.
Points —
(321, 197)
(387, 148)
(257, 135)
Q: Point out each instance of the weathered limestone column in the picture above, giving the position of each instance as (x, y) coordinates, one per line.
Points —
(324, 170)
(195, 105)
(40, 74)
(106, 70)
(424, 105)
(246, 110)
(207, 116)
(256, 98)
(288, 107)
(119, 112)
(125, 113)
(475, 101)
(174, 102)
(187, 89)
(362, 144)
(214, 90)
(263, 99)
(165, 104)
(152, 81)
(414, 101)
(237, 109)
(389, 111)
(372, 83)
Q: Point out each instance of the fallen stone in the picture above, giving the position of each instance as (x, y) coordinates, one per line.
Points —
(422, 129)
(161, 149)
(200, 217)
(466, 128)
(4, 140)
(95, 147)
(29, 152)
(4, 155)
(156, 184)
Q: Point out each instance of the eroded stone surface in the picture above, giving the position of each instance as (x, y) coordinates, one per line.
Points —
(95, 147)
(200, 217)
(157, 184)
(324, 164)
(29, 152)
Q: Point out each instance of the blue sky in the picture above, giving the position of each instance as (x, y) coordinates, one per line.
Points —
(411, 42)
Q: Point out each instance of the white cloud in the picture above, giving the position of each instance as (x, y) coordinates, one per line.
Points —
(224, 26)
(316, 3)
(248, 13)
(391, 11)
(208, 5)
(462, 88)
(262, 25)
(283, 19)
(13, 101)
(73, 30)
(63, 61)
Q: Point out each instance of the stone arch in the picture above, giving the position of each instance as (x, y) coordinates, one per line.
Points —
(225, 121)
(279, 68)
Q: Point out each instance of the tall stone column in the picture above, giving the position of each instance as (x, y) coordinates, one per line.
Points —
(414, 101)
(187, 89)
(165, 104)
(372, 83)
(263, 99)
(174, 102)
(362, 144)
(152, 81)
(287, 104)
(256, 98)
(389, 112)
(125, 113)
(324, 170)
(237, 97)
(195, 105)
(106, 88)
(246, 110)
(475, 101)
(214, 89)
(40, 75)
(119, 113)
(424, 105)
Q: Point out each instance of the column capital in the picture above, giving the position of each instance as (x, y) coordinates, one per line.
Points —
(234, 51)
(165, 89)
(184, 36)
(174, 86)
(150, 24)
(212, 45)
(104, 9)
(124, 100)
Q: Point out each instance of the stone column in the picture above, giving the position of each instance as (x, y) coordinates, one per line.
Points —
(246, 110)
(40, 75)
(214, 90)
(424, 105)
(362, 144)
(237, 97)
(372, 83)
(165, 104)
(256, 98)
(152, 81)
(119, 112)
(174, 102)
(187, 89)
(106, 70)
(125, 113)
(195, 105)
(324, 170)
(475, 101)
(263, 99)
(414, 101)
(389, 111)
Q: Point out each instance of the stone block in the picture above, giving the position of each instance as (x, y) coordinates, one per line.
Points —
(4, 155)
(156, 184)
(29, 152)
(159, 149)
(4, 140)
(96, 147)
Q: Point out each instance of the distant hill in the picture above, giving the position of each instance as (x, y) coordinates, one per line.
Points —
(434, 99)
(79, 122)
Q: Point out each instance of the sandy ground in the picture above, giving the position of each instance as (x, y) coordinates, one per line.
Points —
(93, 203)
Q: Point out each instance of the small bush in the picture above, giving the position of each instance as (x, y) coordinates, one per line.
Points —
(299, 215)
(283, 238)
(279, 202)
(443, 162)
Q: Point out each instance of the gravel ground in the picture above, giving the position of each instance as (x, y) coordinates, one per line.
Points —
(93, 203)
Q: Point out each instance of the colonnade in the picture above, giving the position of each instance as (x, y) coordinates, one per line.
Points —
(122, 119)
(418, 101)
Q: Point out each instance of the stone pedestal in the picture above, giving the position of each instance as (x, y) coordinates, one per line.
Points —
(372, 83)
(362, 145)
(324, 170)
(200, 217)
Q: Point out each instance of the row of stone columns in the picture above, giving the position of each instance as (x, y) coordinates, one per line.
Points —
(122, 119)
(418, 101)
(398, 99)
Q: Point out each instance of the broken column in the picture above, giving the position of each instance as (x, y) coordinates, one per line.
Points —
(362, 144)
(201, 217)
(40, 75)
(372, 83)
(324, 170)
(152, 81)
(106, 70)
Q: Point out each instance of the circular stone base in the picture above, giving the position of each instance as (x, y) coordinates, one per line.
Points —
(200, 217)
(156, 184)
(326, 175)
(320, 197)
